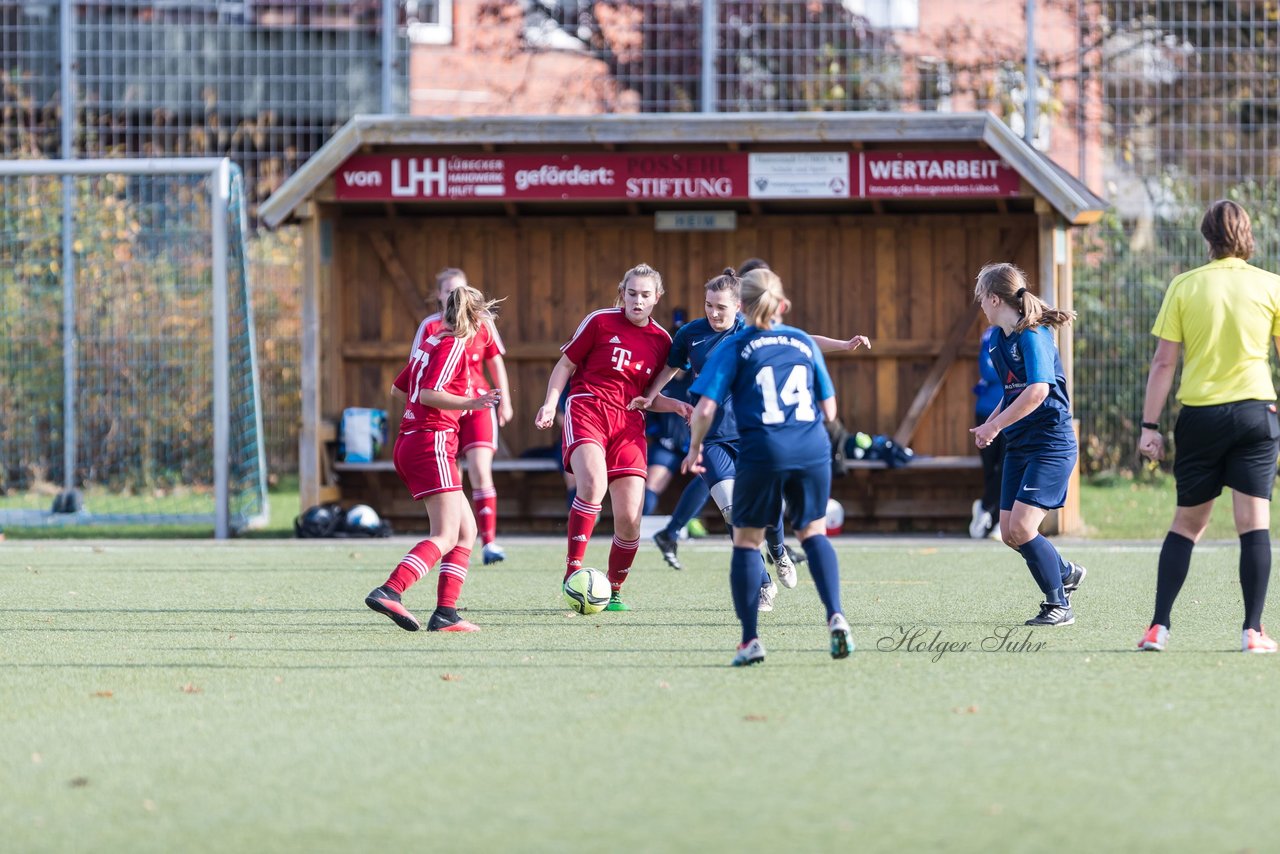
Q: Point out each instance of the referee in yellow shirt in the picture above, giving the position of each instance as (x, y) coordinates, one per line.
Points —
(1225, 316)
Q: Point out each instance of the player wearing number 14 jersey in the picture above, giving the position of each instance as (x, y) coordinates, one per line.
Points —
(781, 394)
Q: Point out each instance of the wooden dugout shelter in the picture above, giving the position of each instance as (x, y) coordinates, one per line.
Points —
(876, 222)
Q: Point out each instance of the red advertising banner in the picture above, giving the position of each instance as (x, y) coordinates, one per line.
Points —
(544, 176)
(675, 176)
(934, 174)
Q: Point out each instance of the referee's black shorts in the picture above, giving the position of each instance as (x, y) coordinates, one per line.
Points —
(1230, 444)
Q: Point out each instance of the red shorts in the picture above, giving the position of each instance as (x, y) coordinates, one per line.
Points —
(620, 432)
(427, 462)
(478, 429)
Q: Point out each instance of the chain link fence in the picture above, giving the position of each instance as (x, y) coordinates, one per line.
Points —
(1161, 106)
(1190, 113)
(265, 83)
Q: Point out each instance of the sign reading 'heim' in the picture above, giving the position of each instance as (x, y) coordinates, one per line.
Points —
(666, 176)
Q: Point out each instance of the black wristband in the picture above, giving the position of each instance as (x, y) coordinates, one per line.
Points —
(1150, 425)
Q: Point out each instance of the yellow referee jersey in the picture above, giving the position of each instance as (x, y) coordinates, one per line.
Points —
(1225, 314)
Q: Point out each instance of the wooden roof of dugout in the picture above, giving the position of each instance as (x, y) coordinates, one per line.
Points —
(1071, 199)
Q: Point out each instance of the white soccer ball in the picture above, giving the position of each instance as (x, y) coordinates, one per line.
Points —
(362, 517)
(587, 591)
(835, 516)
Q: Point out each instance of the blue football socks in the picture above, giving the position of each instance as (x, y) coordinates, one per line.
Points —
(691, 501)
(745, 572)
(824, 566)
(1046, 568)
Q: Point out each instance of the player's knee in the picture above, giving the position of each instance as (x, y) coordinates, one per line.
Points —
(817, 526)
(446, 542)
(722, 495)
(1016, 536)
(467, 530)
(592, 488)
(627, 525)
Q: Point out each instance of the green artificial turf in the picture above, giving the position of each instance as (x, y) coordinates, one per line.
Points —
(170, 696)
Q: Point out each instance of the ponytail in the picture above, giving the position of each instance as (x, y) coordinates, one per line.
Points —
(465, 311)
(1009, 283)
(1037, 312)
(762, 297)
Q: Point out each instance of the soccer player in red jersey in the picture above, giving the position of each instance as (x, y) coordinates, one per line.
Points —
(478, 429)
(607, 365)
(438, 385)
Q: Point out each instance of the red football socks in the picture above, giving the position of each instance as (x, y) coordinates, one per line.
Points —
(582, 518)
(413, 567)
(453, 573)
(485, 502)
(621, 555)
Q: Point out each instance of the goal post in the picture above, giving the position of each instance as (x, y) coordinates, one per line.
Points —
(145, 251)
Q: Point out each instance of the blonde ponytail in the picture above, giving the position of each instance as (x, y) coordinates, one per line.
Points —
(762, 297)
(465, 311)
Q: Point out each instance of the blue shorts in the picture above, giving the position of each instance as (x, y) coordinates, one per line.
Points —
(664, 457)
(720, 461)
(758, 495)
(1038, 478)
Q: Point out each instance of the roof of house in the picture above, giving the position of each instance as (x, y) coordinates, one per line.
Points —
(1067, 195)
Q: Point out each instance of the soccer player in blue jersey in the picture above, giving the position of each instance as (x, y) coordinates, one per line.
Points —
(1035, 418)
(692, 346)
(781, 393)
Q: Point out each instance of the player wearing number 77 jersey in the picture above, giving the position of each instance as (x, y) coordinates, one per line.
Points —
(781, 394)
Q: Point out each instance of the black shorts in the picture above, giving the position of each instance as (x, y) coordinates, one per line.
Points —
(1232, 445)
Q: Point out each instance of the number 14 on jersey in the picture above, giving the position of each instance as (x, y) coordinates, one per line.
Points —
(795, 392)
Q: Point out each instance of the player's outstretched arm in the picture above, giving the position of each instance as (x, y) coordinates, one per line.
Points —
(832, 345)
(659, 383)
(555, 386)
(662, 403)
(447, 400)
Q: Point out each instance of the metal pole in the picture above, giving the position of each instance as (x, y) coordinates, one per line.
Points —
(1029, 109)
(1082, 160)
(709, 15)
(107, 166)
(389, 13)
(70, 437)
(219, 193)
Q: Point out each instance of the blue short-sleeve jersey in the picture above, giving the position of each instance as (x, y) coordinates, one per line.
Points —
(667, 428)
(690, 350)
(1022, 359)
(989, 390)
(776, 379)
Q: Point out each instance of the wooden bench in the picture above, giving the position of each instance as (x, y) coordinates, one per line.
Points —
(927, 494)
(531, 493)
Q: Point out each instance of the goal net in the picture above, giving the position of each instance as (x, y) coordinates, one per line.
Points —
(128, 378)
